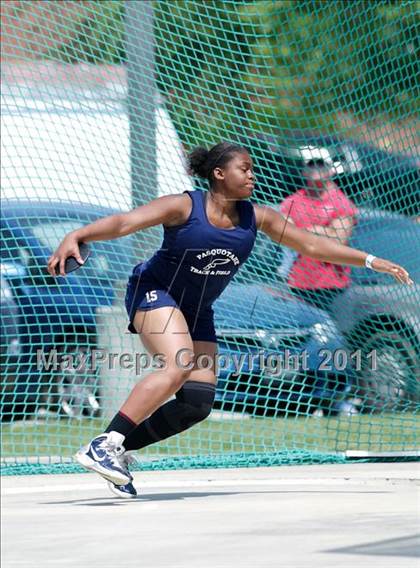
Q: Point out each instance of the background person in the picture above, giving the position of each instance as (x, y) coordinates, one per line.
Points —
(321, 208)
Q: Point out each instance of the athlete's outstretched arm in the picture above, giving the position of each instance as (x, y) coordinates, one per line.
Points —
(325, 249)
(170, 209)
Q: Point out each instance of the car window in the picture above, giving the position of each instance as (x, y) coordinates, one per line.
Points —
(399, 242)
(8, 246)
(51, 234)
(6, 294)
(13, 250)
(109, 259)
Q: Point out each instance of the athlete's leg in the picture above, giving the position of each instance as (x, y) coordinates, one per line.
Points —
(193, 402)
(204, 352)
(163, 331)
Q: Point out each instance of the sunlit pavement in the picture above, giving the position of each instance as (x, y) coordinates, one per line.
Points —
(316, 516)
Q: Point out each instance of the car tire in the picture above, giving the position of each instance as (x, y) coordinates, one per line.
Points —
(73, 391)
(387, 379)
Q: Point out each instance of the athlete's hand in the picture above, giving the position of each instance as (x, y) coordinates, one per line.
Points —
(69, 246)
(398, 272)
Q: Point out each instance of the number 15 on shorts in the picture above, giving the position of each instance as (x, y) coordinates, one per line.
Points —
(151, 296)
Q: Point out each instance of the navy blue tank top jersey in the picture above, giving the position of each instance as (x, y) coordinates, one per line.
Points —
(197, 260)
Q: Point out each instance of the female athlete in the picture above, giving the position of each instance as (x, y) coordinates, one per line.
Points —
(208, 235)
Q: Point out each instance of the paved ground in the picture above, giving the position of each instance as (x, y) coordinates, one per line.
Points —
(364, 515)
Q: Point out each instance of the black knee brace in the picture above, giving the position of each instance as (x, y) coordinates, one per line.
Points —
(195, 400)
(193, 404)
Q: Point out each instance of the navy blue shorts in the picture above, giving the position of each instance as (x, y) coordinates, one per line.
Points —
(148, 294)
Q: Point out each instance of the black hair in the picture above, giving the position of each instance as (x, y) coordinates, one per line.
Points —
(202, 162)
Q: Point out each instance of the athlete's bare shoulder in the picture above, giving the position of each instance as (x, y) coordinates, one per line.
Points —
(181, 207)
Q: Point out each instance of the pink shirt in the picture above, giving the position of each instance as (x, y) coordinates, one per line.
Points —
(304, 211)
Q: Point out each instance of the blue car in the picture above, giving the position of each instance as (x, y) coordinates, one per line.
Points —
(9, 336)
(376, 315)
(55, 314)
(380, 316)
(284, 347)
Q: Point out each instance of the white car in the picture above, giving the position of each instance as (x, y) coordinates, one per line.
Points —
(77, 148)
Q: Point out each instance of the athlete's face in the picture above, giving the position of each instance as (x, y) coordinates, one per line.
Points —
(237, 176)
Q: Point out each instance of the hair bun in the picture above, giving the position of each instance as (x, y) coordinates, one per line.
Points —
(197, 160)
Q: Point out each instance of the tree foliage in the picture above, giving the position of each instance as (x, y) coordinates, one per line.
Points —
(270, 65)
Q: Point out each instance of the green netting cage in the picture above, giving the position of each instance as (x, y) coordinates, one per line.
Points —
(101, 102)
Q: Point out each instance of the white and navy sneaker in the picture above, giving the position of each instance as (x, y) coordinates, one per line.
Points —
(127, 491)
(102, 455)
